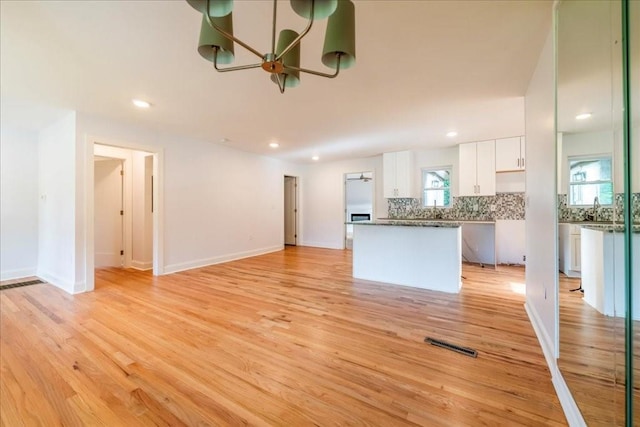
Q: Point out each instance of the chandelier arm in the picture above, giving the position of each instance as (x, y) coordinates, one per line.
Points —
(302, 34)
(236, 68)
(318, 73)
(281, 83)
(230, 36)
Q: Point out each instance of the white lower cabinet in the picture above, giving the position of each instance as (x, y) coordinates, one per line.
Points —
(510, 241)
(569, 244)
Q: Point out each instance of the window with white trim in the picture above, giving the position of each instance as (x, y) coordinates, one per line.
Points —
(436, 187)
(590, 177)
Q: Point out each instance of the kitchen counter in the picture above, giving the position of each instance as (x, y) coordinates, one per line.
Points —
(410, 222)
(603, 269)
(418, 253)
(603, 226)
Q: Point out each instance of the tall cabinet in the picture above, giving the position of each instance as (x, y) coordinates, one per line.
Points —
(477, 167)
(398, 174)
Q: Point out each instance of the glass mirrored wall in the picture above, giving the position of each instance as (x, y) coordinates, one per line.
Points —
(633, 95)
(598, 175)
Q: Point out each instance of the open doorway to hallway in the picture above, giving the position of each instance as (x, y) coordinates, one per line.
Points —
(358, 201)
(123, 208)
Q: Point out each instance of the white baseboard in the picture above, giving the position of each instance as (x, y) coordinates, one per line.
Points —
(569, 406)
(58, 282)
(545, 340)
(141, 265)
(17, 274)
(324, 245)
(174, 268)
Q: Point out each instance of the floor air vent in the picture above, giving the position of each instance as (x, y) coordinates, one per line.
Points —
(463, 350)
(20, 284)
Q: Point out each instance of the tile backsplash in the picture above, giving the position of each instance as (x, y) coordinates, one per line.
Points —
(473, 208)
(504, 206)
(605, 213)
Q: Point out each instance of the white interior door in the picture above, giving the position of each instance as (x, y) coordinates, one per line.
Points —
(108, 219)
(290, 210)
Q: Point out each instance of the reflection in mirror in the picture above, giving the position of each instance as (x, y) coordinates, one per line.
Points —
(590, 193)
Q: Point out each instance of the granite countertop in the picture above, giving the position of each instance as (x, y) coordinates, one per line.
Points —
(410, 222)
(603, 225)
(460, 221)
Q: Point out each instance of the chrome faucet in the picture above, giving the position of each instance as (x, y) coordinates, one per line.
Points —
(596, 206)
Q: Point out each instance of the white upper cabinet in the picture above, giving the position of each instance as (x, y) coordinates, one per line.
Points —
(398, 174)
(477, 169)
(510, 154)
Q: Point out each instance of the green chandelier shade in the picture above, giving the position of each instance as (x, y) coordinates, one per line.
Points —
(340, 37)
(292, 58)
(321, 10)
(210, 38)
(217, 8)
(217, 42)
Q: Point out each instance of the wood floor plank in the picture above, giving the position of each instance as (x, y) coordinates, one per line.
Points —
(288, 338)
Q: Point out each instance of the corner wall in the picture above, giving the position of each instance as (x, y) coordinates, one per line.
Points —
(18, 204)
(57, 204)
(540, 203)
(323, 207)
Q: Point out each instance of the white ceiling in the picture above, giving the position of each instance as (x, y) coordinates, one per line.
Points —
(423, 68)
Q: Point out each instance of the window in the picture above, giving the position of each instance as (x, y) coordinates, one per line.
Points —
(436, 187)
(590, 177)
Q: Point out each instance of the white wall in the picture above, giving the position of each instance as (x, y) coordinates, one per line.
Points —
(323, 200)
(218, 203)
(18, 203)
(434, 158)
(541, 213)
(141, 257)
(57, 204)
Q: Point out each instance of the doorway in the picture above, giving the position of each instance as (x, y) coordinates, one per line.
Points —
(290, 210)
(123, 208)
(108, 213)
(358, 201)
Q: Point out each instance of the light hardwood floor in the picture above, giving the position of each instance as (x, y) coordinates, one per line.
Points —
(592, 358)
(288, 338)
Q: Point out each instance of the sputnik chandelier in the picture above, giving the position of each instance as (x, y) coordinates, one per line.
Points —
(283, 60)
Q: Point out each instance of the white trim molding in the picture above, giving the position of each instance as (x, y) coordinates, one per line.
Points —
(569, 406)
(175, 268)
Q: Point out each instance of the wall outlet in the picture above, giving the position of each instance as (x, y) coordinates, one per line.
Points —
(475, 207)
(524, 258)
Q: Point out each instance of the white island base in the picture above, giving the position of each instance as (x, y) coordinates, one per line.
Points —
(426, 256)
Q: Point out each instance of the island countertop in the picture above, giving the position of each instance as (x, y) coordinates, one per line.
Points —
(410, 223)
(603, 226)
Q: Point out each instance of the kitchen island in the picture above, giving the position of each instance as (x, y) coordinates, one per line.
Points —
(603, 269)
(419, 253)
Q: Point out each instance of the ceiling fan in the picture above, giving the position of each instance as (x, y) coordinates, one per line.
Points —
(360, 178)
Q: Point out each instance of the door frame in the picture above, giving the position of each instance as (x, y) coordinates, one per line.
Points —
(344, 201)
(87, 214)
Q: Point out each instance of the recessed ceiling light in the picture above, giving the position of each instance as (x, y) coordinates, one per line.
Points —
(315, 158)
(452, 134)
(583, 116)
(274, 145)
(140, 103)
